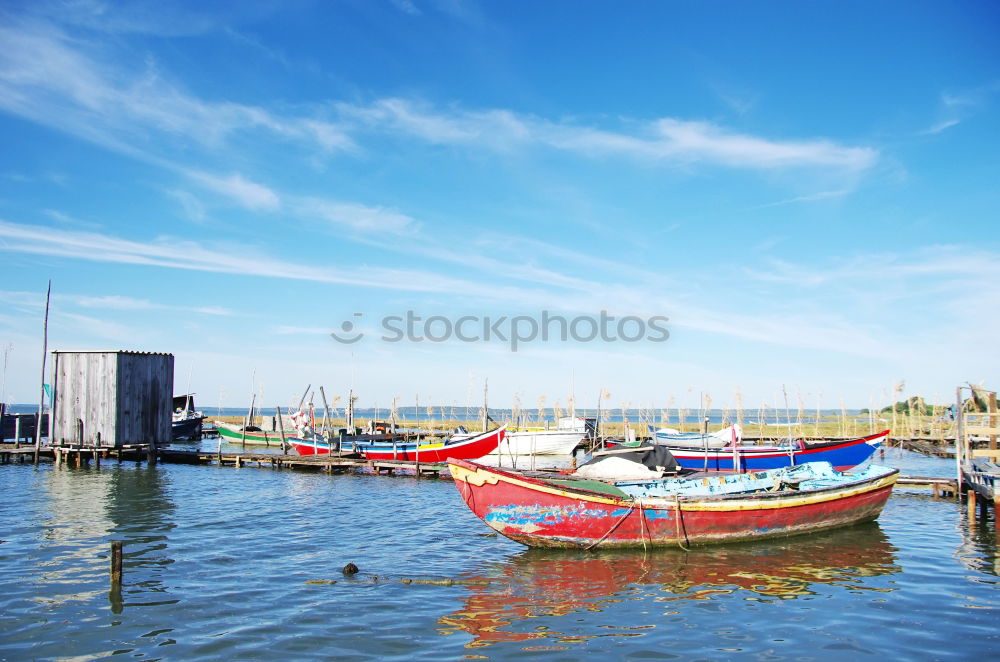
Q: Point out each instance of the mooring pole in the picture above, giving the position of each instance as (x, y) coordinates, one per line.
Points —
(116, 564)
(115, 594)
(45, 351)
(959, 436)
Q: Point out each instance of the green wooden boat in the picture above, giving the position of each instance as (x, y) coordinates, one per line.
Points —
(253, 437)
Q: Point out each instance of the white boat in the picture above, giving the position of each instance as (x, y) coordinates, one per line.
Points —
(720, 439)
(560, 440)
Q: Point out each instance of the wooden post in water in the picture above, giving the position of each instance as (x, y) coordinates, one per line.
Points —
(992, 418)
(959, 437)
(116, 564)
(970, 496)
(281, 431)
(45, 351)
(350, 411)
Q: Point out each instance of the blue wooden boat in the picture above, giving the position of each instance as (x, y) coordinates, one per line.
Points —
(843, 454)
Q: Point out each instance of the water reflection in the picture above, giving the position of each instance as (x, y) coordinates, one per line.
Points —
(139, 507)
(535, 583)
(88, 507)
(980, 538)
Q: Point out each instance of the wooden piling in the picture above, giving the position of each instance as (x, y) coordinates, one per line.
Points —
(41, 400)
(991, 420)
(281, 431)
(970, 496)
(116, 564)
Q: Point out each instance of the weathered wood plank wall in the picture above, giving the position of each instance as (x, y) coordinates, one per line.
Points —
(125, 397)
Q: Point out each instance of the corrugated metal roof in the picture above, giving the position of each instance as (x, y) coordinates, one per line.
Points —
(109, 351)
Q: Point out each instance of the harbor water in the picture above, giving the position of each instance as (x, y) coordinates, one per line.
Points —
(227, 563)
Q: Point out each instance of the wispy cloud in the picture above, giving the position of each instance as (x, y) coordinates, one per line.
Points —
(300, 331)
(174, 254)
(941, 126)
(946, 268)
(958, 106)
(356, 216)
(65, 219)
(192, 206)
(407, 7)
(663, 139)
(246, 193)
(48, 77)
(889, 280)
(814, 197)
(109, 302)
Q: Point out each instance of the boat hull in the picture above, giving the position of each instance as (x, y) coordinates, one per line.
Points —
(541, 442)
(842, 455)
(314, 446)
(233, 434)
(470, 448)
(541, 513)
(187, 428)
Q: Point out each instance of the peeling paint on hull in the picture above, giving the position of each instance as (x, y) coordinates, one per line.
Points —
(543, 514)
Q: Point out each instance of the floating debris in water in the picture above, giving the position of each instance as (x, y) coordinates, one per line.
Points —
(350, 569)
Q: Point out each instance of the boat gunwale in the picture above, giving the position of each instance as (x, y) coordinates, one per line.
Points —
(780, 499)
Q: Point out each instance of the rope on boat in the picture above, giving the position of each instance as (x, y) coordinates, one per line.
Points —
(680, 525)
(628, 512)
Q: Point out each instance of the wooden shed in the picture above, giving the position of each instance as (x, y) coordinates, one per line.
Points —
(111, 398)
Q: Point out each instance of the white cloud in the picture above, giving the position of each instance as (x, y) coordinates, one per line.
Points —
(814, 197)
(663, 139)
(192, 206)
(48, 77)
(170, 253)
(941, 127)
(115, 303)
(248, 194)
(356, 216)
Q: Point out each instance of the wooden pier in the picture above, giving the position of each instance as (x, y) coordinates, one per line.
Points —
(324, 463)
(80, 455)
(978, 469)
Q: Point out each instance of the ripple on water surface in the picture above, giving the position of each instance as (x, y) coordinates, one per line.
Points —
(219, 565)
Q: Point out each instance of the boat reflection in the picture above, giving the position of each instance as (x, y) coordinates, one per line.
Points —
(539, 582)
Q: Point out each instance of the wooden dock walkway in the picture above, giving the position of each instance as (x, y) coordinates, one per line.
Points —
(323, 463)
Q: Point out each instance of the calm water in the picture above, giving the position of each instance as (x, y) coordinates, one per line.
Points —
(218, 564)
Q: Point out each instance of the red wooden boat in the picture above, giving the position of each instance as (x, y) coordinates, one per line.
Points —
(549, 512)
(464, 447)
(470, 448)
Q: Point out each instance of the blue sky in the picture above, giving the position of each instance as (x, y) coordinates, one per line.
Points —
(808, 191)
